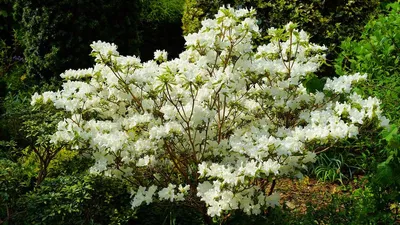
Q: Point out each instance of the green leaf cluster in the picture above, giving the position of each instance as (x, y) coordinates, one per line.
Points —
(377, 53)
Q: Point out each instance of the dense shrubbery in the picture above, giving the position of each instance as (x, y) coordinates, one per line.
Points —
(76, 199)
(377, 53)
(55, 39)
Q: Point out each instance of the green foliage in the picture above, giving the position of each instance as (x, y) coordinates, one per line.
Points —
(76, 200)
(378, 55)
(9, 61)
(159, 11)
(314, 84)
(7, 23)
(387, 177)
(328, 22)
(193, 15)
(15, 180)
(329, 168)
(160, 27)
(38, 126)
(56, 39)
(13, 107)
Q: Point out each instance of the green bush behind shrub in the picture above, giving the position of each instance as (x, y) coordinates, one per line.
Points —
(56, 34)
(160, 27)
(377, 53)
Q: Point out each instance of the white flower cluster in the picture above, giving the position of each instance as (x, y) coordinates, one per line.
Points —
(216, 124)
(168, 193)
(160, 56)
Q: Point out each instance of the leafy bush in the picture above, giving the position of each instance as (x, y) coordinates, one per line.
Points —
(384, 184)
(160, 27)
(55, 39)
(215, 127)
(378, 55)
(13, 107)
(7, 22)
(76, 200)
(15, 180)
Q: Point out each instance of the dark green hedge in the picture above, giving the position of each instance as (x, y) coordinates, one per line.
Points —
(56, 34)
(6, 21)
(160, 27)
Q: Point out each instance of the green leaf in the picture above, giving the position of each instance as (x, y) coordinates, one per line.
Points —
(390, 133)
(3, 13)
(314, 84)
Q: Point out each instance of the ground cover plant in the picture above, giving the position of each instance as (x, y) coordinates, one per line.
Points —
(216, 127)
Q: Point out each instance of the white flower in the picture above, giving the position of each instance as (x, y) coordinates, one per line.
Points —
(160, 56)
(104, 49)
(168, 193)
(145, 161)
(142, 195)
(35, 98)
(273, 200)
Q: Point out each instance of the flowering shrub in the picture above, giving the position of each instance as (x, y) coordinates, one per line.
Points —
(218, 125)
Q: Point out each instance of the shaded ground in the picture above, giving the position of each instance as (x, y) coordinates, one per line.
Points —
(295, 194)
